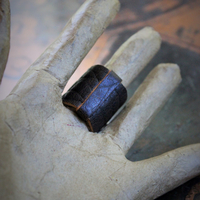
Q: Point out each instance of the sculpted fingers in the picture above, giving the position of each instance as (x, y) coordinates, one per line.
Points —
(134, 54)
(81, 32)
(4, 34)
(99, 98)
(145, 103)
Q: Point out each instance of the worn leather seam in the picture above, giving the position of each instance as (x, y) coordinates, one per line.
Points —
(93, 91)
(105, 100)
(90, 125)
(69, 104)
(88, 120)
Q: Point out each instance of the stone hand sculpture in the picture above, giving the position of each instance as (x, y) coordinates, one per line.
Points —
(48, 153)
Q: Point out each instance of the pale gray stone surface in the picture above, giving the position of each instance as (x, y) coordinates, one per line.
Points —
(48, 153)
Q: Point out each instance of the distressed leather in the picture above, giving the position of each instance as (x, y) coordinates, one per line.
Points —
(96, 97)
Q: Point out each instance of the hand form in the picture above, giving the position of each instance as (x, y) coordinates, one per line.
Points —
(47, 153)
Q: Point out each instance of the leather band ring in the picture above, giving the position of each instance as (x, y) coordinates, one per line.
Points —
(96, 97)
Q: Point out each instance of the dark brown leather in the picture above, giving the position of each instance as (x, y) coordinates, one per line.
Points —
(96, 97)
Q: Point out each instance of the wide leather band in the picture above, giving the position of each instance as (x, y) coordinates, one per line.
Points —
(96, 97)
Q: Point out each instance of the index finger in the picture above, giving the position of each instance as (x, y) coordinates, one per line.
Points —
(64, 55)
(4, 34)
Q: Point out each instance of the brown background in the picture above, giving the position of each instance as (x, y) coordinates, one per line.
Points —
(35, 24)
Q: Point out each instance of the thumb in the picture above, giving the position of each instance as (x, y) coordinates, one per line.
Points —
(153, 177)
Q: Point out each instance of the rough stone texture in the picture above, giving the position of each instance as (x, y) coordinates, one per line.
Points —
(47, 153)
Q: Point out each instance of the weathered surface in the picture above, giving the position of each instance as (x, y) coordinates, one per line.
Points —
(47, 153)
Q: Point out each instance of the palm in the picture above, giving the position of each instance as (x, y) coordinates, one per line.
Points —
(59, 152)
(48, 153)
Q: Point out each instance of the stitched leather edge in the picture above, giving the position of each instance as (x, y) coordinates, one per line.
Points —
(93, 90)
(69, 104)
(90, 125)
(88, 120)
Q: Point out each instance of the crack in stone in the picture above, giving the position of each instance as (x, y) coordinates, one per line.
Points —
(110, 177)
(10, 127)
(118, 169)
(47, 172)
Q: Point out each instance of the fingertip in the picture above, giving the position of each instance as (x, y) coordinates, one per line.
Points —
(118, 5)
(150, 32)
(134, 54)
(172, 70)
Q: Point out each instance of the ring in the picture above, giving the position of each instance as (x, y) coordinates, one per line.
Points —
(96, 97)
